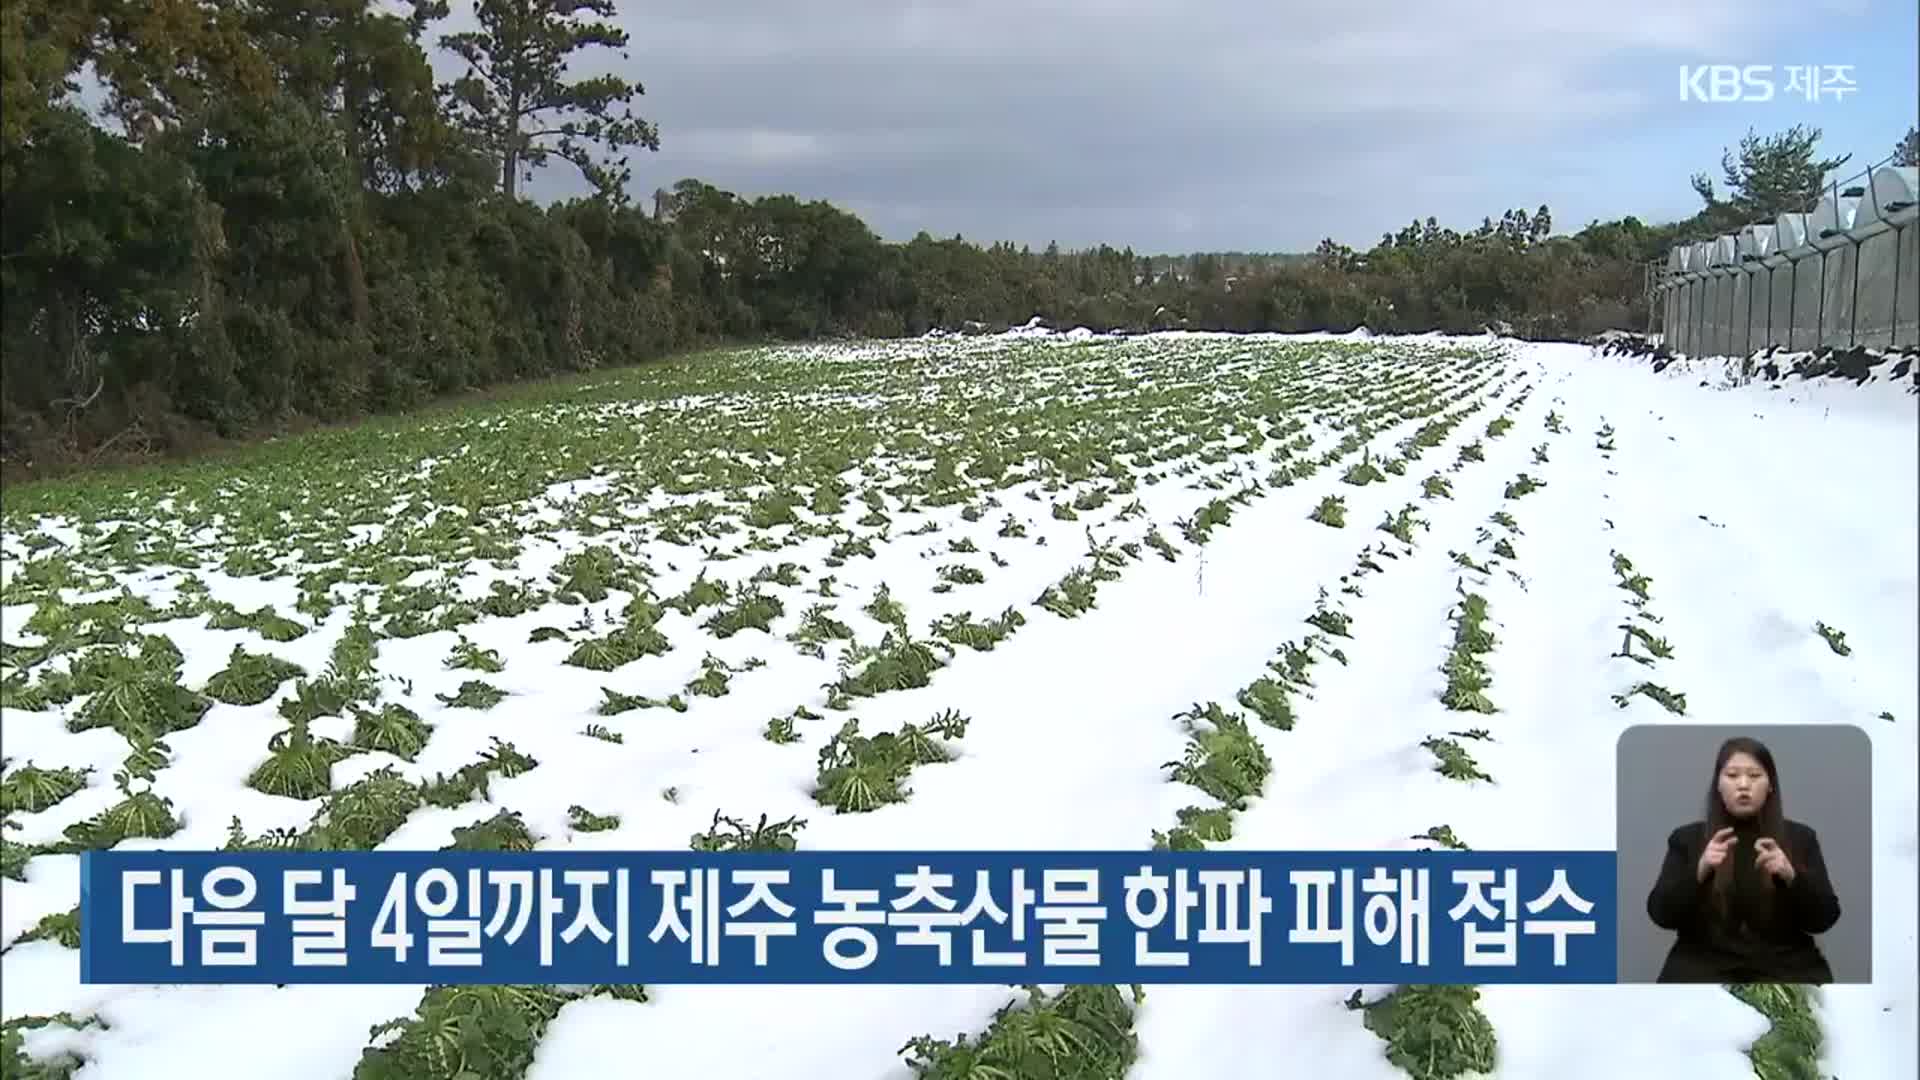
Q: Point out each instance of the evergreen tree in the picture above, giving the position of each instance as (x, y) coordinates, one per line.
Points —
(1771, 175)
(1907, 150)
(517, 101)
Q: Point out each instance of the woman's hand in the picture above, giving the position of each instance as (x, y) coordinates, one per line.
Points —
(1773, 860)
(1716, 853)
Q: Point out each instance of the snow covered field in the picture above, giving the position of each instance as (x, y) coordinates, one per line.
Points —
(624, 613)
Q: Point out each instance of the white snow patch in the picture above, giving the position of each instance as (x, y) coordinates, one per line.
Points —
(1072, 720)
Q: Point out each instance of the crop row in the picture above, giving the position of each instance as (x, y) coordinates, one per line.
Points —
(1439, 1032)
(441, 533)
(1222, 759)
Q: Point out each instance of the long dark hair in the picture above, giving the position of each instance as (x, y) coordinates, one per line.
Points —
(1772, 817)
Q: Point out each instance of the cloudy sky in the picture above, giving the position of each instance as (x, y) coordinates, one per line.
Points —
(1180, 125)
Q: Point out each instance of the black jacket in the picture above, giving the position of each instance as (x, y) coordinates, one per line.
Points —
(1759, 940)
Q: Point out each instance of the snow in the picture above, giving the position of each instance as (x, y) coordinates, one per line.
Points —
(1810, 492)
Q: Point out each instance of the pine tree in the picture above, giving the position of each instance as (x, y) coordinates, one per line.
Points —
(1907, 151)
(1773, 175)
(516, 100)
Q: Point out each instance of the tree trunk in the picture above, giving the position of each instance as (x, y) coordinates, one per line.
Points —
(209, 245)
(352, 105)
(510, 145)
(69, 340)
(356, 274)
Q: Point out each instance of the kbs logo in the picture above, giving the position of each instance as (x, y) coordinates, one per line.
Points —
(1721, 83)
(1726, 82)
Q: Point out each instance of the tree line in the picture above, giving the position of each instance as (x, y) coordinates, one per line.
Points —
(278, 215)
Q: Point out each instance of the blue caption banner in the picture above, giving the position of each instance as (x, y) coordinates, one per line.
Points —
(1220, 917)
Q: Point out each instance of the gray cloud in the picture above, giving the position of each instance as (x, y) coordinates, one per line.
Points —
(1166, 125)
